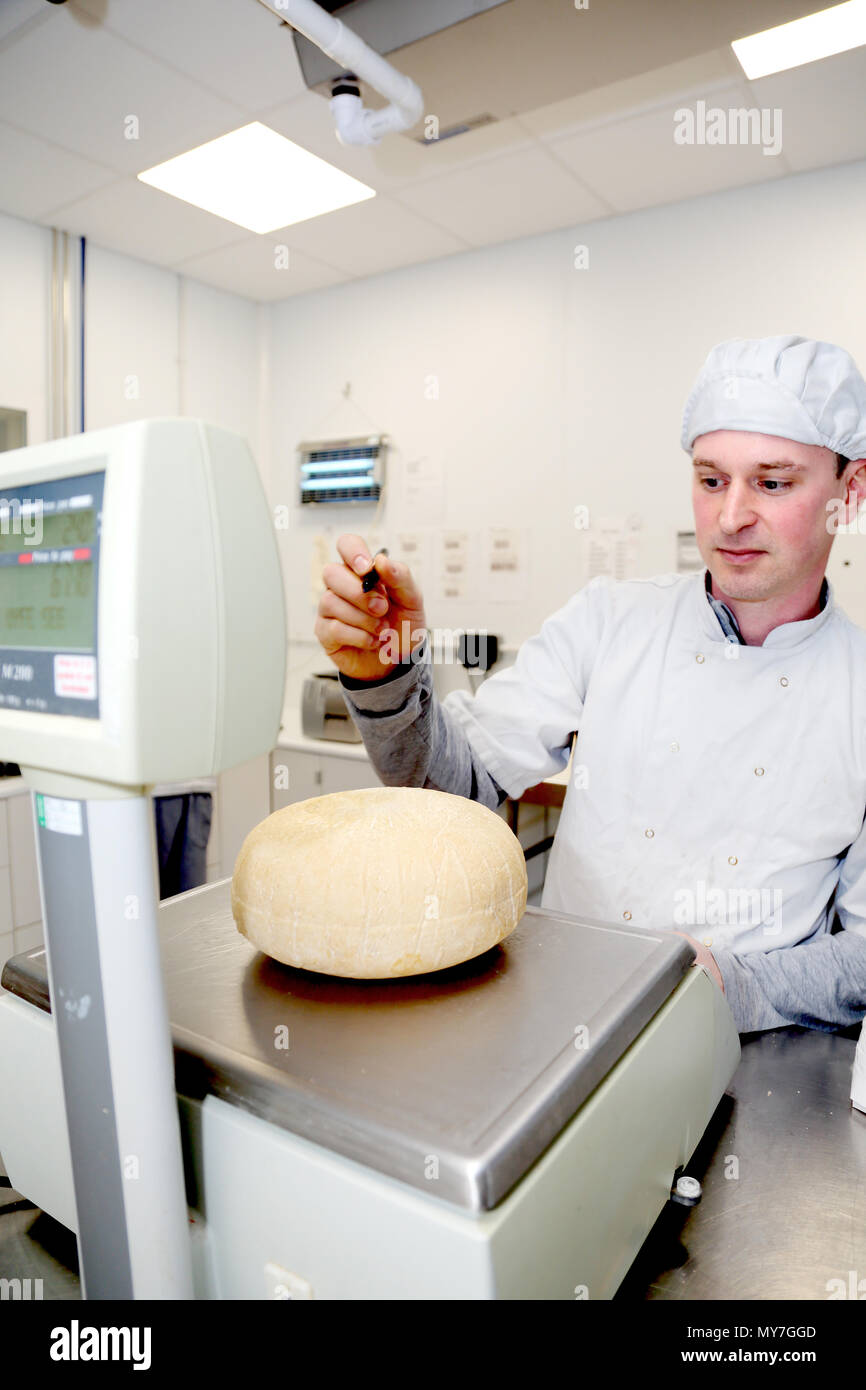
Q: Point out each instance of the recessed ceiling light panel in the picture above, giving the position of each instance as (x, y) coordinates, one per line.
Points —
(257, 179)
(803, 40)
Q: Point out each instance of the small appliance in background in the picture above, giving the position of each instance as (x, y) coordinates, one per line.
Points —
(478, 651)
(324, 713)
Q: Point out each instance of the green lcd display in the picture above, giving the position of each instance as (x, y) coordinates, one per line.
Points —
(29, 530)
(48, 605)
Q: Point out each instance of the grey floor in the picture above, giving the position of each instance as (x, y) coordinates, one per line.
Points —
(36, 1247)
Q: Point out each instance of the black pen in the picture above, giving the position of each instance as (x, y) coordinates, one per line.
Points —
(372, 578)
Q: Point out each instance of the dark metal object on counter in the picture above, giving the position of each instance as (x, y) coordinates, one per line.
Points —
(478, 651)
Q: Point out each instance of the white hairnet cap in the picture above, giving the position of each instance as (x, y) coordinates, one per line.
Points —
(792, 387)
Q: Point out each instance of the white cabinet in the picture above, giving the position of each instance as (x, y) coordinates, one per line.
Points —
(345, 774)
(243, 800)
(296, 775)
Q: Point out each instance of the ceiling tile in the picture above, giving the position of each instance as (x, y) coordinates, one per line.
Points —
(823, 109)
(249, 269)
(513, 196)
(233, 47)
(370, 237)
(636, 164)
(36, 176)
(15, 13)
(142, 221)
(619, 99)
(89, 83)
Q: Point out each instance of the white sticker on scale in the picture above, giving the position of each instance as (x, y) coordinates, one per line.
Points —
(75, 677)
(62, 816)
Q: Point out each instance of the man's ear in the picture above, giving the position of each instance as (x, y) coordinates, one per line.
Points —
(844, 509)
(857, 485)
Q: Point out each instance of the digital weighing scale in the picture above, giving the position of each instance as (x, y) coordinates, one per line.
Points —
(508, 1128)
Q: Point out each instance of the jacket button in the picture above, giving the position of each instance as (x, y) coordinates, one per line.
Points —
(627, 916)
(783, 680)
(649, 834)
(700, 657)
(675, 747)
(759, 772)
(732, 859)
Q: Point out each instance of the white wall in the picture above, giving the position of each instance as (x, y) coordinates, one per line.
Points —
(160, 344)
(25, 269)
(155, 343)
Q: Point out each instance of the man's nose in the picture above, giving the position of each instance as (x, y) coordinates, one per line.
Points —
(738, 508)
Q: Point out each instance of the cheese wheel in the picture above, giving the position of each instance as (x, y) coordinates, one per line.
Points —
(380, 882)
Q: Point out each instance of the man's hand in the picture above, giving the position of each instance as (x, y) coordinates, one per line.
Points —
(366, 635)
(705, 957)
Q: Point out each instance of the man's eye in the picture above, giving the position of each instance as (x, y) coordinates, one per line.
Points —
(774, 484)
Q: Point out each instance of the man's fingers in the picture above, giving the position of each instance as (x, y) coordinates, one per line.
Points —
(332, 606)
(333, 634)
(341, 581)
(398, 580)
(355, 552)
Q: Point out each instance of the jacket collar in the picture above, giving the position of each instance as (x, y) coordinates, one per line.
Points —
(720, 624)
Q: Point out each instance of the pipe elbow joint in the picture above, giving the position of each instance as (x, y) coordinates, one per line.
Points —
(351, 118)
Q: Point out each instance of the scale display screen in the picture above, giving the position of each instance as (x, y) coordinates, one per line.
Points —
(48, 606)
(56, 530)
(49, 559)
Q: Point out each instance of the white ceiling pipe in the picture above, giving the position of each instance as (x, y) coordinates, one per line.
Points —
(356, 123)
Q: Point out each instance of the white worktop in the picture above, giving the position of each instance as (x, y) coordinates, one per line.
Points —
(291, 737)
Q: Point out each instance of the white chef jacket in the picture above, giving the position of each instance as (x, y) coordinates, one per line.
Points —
(730, 779)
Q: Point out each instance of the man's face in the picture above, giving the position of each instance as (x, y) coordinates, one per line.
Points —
(760, 506)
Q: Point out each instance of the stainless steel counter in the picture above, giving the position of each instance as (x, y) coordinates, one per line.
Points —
(784, 1172)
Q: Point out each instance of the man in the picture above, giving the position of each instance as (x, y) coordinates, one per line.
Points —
(720, 764)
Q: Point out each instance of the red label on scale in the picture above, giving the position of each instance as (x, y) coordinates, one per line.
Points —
(75, 676)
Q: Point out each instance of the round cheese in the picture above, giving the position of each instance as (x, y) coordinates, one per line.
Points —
(380, 882)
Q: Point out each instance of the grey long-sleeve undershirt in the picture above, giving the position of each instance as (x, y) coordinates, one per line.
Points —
(821, 983)
(412, 742)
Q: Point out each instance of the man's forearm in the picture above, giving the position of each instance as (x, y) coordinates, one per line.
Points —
(819, 984)
(410, 738)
